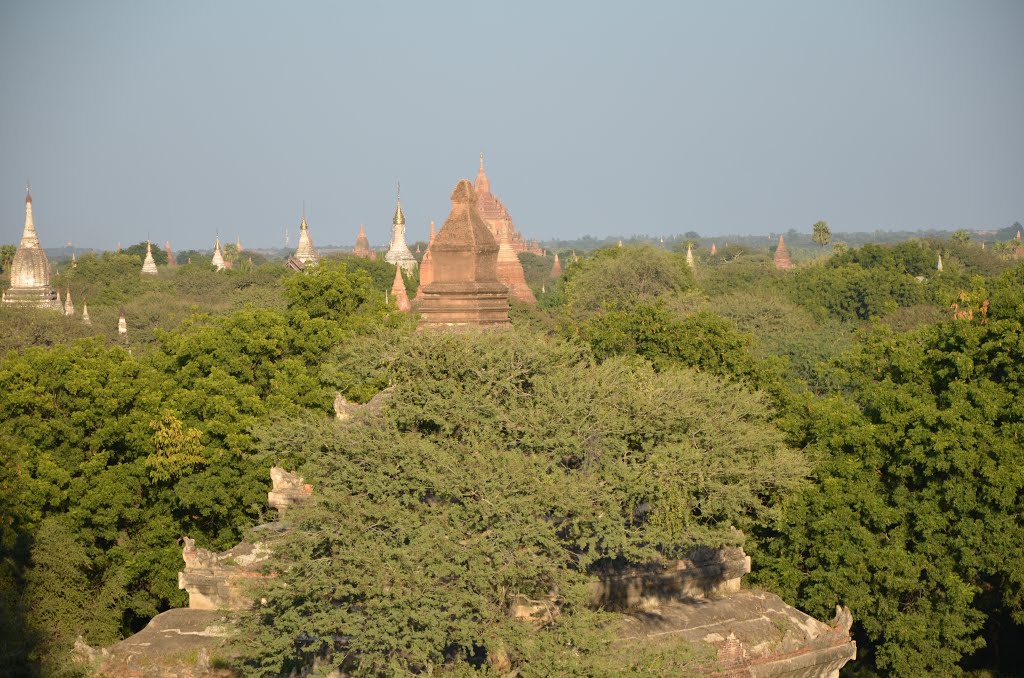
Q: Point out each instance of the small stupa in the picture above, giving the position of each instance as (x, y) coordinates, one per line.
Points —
(149, 265)
(398, 292)
(938, 266)
(398, 253)
(74, 260)
(689, 255)
(30, 269)
(69, 306)
(85, 313)
(171, 261)
(556, 269)
(782, 261)
(362, 248)
(510, 269)
(218, 258)
(122, 324)
(465, 289)
(305, 252)
(714, 250)
(238, 243)
(426, 266)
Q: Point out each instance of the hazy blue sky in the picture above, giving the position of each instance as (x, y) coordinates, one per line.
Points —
(179, 119)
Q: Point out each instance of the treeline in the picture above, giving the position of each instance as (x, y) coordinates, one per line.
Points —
(859, 420)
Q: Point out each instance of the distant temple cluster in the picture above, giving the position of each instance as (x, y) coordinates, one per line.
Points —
(467, 274)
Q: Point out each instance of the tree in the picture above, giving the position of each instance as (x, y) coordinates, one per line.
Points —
(961, 235)
(822, 233)
(916, 521)
(624, 277)
(470, 487)
(7, 253)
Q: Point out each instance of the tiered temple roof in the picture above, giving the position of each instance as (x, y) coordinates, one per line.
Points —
(305, 252)
(398, 251)
(782, 261)
(510, 269)
(149, 265)
(465, 289)
(494, 212)
(362, 248)
(30, 269)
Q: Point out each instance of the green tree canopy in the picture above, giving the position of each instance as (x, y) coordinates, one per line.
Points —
(503, 466)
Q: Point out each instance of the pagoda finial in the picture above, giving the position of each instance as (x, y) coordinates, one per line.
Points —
(482, 183)
(399, 219)
(28, 191)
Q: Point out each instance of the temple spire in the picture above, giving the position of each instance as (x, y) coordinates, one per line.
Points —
(69, 306)
(149, 265)
(30, 268)
(85, 313)
(482, 184)
(305, 252)
(781, 258)
(689, 255)
(218, 257)
(556, 270)
(399, 293)
(398, 252)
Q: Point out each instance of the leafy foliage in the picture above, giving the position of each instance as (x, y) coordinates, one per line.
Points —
(501, 467)
(916, 521)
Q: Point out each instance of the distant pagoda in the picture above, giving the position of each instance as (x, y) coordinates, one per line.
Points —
(465, 289)
(556, 268)
(398, 292)
(426, 265)
(398, 252)
(510, 269)
(305, 252)
(218, 257)
(496, 215)
(362, 248)
(30, 269)
(782, 261)
(171, 261)
(149, 265)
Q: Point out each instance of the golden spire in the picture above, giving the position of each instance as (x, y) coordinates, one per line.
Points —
(399, 219)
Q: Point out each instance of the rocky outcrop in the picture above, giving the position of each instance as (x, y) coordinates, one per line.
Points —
(754, 634)
(288, 489)
(215, 581)
(699, 600)
(182, 643)
(706, 573)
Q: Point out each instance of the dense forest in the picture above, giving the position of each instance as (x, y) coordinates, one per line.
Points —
(856, 423)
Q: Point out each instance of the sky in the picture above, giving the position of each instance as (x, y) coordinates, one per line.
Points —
(181, 120)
